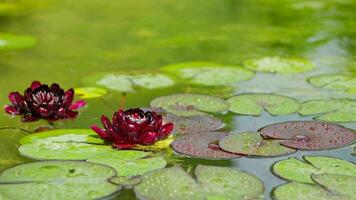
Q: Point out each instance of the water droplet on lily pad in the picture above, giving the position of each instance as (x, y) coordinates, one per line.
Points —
(202, 145)
(10, 42)
(58, 180)
(310, 135)
(331, 110)
(126, 82)
(279, 65)
(254, 104)
(209, 74)
(186, 105)
(211, 183)
(297, 170)
(334, 82)
(90, 92)
(252, 144)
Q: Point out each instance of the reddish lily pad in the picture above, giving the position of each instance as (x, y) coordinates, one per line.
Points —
(202, 145)
(310, 135)
(250, 143)
(194, 124)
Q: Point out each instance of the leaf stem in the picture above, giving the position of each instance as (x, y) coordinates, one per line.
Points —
(123, 100)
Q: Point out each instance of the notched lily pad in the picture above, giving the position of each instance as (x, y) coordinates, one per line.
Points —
(310, 135)
(254, 104)
(250, 143)
(334, 82)
(338, 184)
(212, 183)
(9, 42)
(90, 92)
(202, 145)
(331, 110)
(126, 82)
(186, 105)
(209, 74)
(58, 180)
(296, 170)
(279, 65)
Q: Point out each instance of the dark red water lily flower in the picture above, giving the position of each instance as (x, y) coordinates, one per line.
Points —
(133, 127)
(43, 102)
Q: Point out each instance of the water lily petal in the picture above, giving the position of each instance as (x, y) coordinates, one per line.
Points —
(77, 105)
(35, 85)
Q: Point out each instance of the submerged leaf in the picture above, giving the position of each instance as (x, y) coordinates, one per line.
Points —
(310, 135)
(209, 74)
(10, 42)
(250, 143)
(58, 180)
(90, 92)
(297, 170)
(254, 104)
(212, 183)
(279, 65)
(186, 105)
(334, 82)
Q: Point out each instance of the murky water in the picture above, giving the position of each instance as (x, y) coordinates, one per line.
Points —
(80, 37)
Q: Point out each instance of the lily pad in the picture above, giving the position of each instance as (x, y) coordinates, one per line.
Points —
(194, 124)
(158, 146)
(130, 163)
(212, 183)
(331, 110)
(254, 104)
(334, 82)
(202, 145)
(186, 105)
(338, 184)
(279, 65)
(126, 82)
(297, 170)
(58, 180)
(310, 135)
(10, 42)
(303, 191)
(252, 144)
(209, 74)
(90, 92)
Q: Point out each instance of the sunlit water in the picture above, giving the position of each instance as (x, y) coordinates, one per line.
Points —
(80, 37)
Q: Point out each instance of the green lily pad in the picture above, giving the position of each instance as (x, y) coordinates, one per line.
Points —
(254, 104)
(186, 105)
(126, 82)
(130, 163)
(303, 191)
(334, 82)
(279, 65)
(126, 181)
(90, 92)
(331, 110)
(250, 143)
(10, 42)
(58, 180)
(209, 74)
(212, 183)
(339, 184)
(297, 170)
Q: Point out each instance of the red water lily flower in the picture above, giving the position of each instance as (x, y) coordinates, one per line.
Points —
(43, 102)
(132, 127)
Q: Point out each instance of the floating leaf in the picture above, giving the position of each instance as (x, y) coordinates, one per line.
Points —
(10, 42)
(158, 146)
(90, 92)
(209, 74)
(338, 184)
(279, 65)
(194, 124)
(126, 181)
(331, 110)
(303, 191)
(334, 82)
(124, 82)
(310, 135)
(297, 170)
(129, 163)
(212, 183)
(58, 180)
(186, 105)
(254, 104)
(202, 145)
(250, 143)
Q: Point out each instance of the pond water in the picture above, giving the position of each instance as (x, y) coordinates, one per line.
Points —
(81, 37)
